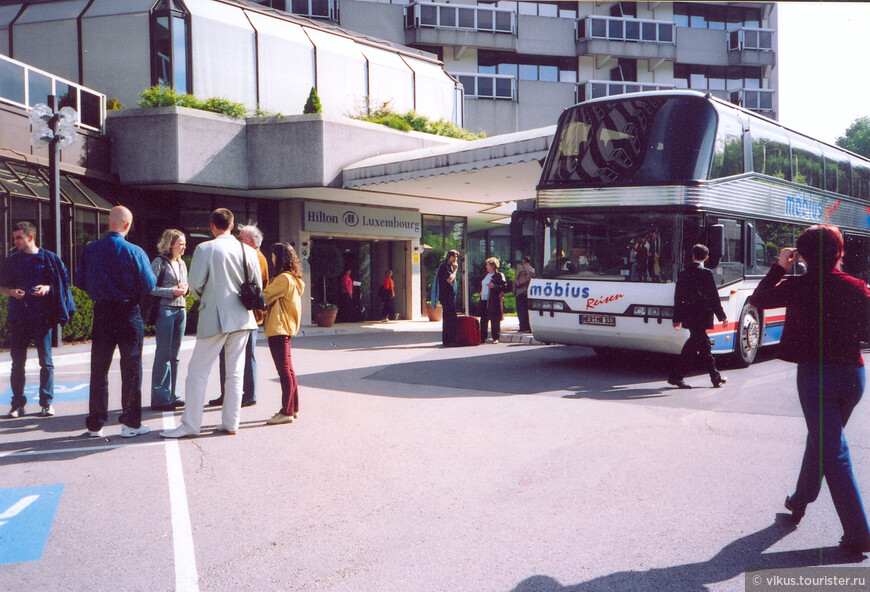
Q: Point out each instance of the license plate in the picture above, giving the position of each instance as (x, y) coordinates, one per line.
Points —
(597, 319)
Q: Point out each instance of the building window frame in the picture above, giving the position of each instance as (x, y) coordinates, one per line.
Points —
(170, 21)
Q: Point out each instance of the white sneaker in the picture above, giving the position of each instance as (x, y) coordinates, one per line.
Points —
(16, 412)
(128, 432)
(47, 411)
(97, 434)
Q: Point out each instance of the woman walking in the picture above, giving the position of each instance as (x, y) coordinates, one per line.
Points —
(283, 311)
(171, 272)
(827, 315)
(387, 293)
(492, 291)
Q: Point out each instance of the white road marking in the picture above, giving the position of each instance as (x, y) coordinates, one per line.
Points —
(186, 577)
(17, 508)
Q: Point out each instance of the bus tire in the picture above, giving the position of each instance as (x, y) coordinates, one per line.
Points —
(748, 336)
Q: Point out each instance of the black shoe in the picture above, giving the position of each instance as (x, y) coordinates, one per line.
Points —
(717, 382)
(178, 403)
(248, 403)
(168, 407)
(216, 402)
(797, 512)
(851, 545)
(680, 384)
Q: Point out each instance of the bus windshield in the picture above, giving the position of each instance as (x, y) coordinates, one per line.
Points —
(633, 141)
(619, 246)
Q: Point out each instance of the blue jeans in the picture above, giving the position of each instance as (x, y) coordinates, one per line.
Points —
(249, 383)
(116, 324)
(169, 330)
(21, 335)
(828, 394)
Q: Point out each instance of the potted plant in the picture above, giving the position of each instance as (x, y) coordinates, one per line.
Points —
(323, 313)
(434, 313)
(326, 262)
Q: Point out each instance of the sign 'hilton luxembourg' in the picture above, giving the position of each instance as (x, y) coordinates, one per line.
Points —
(349, 219)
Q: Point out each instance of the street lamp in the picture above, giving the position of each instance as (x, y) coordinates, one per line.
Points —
(57, 130)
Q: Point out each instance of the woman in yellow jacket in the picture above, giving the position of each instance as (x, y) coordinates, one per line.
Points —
(283, 312)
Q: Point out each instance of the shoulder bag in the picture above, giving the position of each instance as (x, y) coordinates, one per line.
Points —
(249, 292)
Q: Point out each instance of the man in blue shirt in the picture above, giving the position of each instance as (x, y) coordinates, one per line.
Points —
(116, 275)
(37, 284)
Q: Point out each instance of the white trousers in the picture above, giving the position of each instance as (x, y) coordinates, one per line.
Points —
(205, 352)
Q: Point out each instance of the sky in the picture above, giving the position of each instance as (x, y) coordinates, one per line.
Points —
(824, 66)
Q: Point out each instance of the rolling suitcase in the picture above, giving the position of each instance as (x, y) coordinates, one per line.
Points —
(467, 330)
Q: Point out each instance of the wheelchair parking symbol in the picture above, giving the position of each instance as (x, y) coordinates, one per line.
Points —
(26, 517)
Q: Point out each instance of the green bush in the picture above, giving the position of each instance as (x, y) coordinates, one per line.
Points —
(164, 96)
(312, 104)
(419, 123)
(79, 326)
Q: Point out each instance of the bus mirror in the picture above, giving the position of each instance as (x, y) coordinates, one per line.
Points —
(749, 248)
(716, 242)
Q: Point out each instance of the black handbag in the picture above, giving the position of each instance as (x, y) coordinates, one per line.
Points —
(152, 303)
(249, 292)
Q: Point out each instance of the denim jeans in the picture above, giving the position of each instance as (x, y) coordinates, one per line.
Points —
(249, 383)
(169, 330)
(21, 334)
(828, 394)
(116, 324)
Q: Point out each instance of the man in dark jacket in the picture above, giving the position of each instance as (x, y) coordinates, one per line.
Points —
(445, 284)
(37, 283)
(696, 300)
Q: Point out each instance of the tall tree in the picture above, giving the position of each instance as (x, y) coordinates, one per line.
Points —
(857, 137)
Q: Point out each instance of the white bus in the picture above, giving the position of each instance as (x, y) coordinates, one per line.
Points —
(633, 181)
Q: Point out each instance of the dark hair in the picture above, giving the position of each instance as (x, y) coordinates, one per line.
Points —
(527, 259)
(451, 253)
(700, 252)
(222, 218)
(26, 227)
(821, 246)
(286, 260)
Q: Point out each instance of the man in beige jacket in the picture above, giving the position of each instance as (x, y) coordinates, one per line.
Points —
(216, 275)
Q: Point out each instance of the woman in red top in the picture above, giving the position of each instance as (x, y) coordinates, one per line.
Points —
(387, 293)
(827, 316)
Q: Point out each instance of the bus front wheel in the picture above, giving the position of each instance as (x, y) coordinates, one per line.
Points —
(748, 336)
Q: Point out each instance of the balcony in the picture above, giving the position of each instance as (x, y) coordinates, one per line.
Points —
(595, 89)
(24, 86)
(625, 37)
(488, 86)
(316, 9)
(453, 24)
(759, 100)
(751, 47)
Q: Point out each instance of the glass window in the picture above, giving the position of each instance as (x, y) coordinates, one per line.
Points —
(484, 86)
(770, 239)
(632, 31)
(527, 8)
(428, 15)
(39, 87)
(730, 267)
(615, 29)
(11, 182)
(299, 7)
(67, 95)
(599, 27)
(567, 76)
(86, 230)
(666, 33)
(765, 40)
(567, 10)
(467, 83)
(770, 150)
(728, 150)
(528, 72)
(860, 179)
(320, 8)
(548, 9)
(91, 109)
(503, 88)
(11, 81)
(806, 161)
(697, 21)
(548, 73)
(484, 20)
(72, 192)
(508, 70)
(163, 49)
(503, 21)
(447, 15)
(837, 171)
(31, 177)
(179, 48)
(650, 32)
(466, 18)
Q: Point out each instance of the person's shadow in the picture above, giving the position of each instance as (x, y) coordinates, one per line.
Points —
(744, 554)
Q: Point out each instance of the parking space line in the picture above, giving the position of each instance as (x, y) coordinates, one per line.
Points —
(186, 578)
(76, 449)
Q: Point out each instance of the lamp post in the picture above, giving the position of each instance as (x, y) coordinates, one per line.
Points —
(56, 129)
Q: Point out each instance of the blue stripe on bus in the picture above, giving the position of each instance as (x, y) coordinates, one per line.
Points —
(723, 343)
(772, 334)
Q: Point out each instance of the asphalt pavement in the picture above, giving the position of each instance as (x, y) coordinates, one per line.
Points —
(510, 467)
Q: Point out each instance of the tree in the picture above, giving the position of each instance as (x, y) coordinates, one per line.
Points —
(312, 105)
(857, 137)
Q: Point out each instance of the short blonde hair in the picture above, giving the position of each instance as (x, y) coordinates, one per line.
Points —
(494, 261)
(170, 235)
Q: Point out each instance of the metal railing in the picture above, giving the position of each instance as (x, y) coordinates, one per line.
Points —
(595, 89)
(25, 86)
(754, 99)
(488, 86)
(628, 30)
(750, 38)
(460, 17)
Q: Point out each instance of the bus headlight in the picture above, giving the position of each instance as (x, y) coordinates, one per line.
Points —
(653, 311)
(639, 311)
(558, 306)
(547, 305)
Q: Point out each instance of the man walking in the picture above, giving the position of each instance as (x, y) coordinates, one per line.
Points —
(37, 284)
(525, 273)
(216, 275)
(253, 237)
(116, 275)
(695, 301)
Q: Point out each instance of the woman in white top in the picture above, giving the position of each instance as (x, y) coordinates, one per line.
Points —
(171, 272)
(492, 291)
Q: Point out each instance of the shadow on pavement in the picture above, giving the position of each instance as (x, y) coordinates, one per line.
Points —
(744, 554)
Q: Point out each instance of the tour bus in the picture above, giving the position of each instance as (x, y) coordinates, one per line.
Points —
(632, 181)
